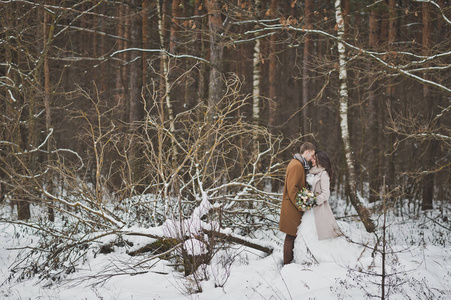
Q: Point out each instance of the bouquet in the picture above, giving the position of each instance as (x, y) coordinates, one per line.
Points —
(305, 199)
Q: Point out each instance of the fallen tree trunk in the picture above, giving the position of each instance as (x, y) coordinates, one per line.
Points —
(238, 240)
(211, 233)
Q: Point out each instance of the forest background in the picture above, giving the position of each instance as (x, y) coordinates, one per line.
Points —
(105, 101)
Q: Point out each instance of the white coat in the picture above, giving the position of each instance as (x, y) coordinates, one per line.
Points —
(326, 225)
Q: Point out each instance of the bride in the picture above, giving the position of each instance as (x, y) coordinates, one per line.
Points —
(318, 225)
(319, 238)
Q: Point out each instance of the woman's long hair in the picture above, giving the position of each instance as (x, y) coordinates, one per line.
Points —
(322, 160)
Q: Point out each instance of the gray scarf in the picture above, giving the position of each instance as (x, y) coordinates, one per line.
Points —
(303, 161)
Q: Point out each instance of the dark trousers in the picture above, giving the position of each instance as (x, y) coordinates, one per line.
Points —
(288, 249)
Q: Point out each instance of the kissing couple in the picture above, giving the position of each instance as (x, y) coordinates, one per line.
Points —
(313, 170)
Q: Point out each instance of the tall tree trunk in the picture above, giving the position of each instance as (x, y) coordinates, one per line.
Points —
(145, 42)
(174, 46)
(134, 84)
(200, 47)
(308, 16)
(33, 134)
(135, 108)
(125, 70)
(373, 124)
(101, 49)
(175, 26)
(392, 22)
(164, 66)
(216, 84)
(256, 83)
(173, 68)
(165, 84)
(343, 95)
(161, 12)
(48, 32)
(430, 147)
(165, 92)
(216, 87)
(120, 97)
(95, 42)
(346, 15)
(13, 133)
(392, 36)
(272, 76)
(270, 184)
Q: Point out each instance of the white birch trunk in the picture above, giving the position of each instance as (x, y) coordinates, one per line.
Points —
(256, 78)
(256, 83)
(165, 68)
(343, 94)
(256, 92)
(167, 102)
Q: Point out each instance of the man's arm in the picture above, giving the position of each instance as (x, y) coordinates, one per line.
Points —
(293, 181)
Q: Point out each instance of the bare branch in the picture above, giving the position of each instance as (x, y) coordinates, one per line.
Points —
(160, 51)
(438, 7)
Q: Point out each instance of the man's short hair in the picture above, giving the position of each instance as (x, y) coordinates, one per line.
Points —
(307, 146)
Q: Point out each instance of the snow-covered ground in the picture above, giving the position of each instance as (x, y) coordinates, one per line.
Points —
(418, 266)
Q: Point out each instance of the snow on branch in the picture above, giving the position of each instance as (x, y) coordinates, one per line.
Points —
(425, 135)
(378, 56)
(438, 7)
(430, 69)
(97, 212)
(160, 51)
(413, 76)
(190, 229)
(40, 146)
(93, 31)
(424, 59)
(69, 9)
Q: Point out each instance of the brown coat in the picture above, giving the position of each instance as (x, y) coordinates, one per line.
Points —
(290, 215)
(326, 226)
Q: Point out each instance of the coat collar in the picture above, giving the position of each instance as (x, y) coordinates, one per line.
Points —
(301, 158)
(316, 170)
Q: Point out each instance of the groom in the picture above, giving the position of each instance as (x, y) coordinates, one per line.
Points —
(290, 215)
